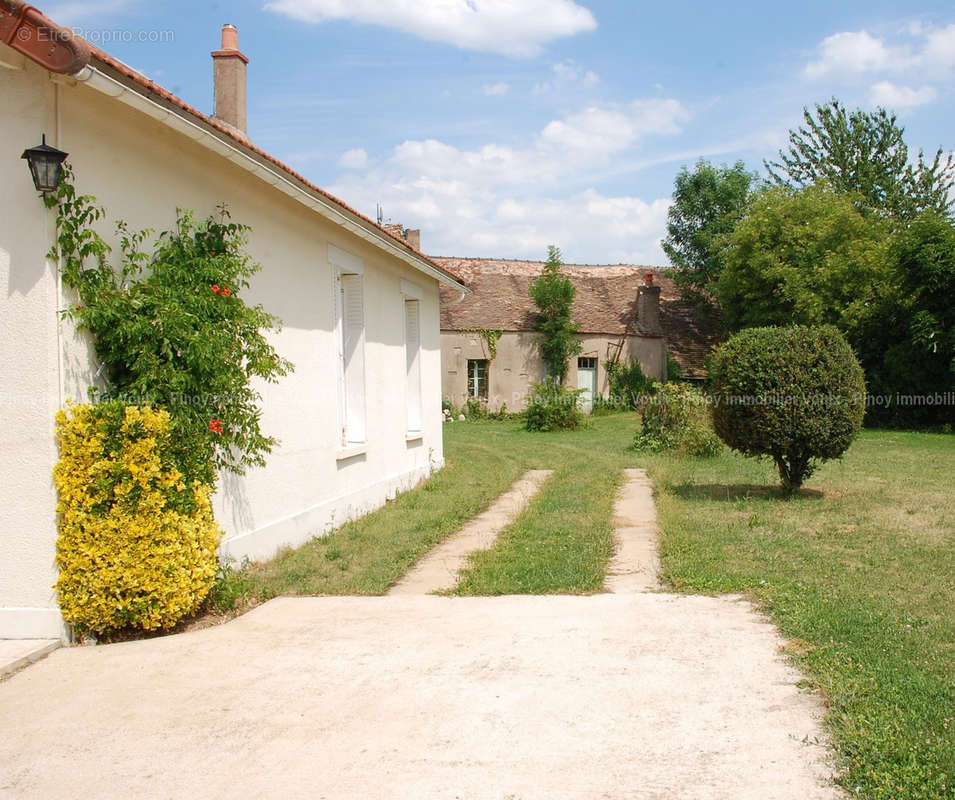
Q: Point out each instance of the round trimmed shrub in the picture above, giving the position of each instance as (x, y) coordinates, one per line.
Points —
(136, 545)
(794, 394)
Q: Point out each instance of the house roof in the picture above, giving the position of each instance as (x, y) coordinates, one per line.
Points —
(606, 300)
(23, 26)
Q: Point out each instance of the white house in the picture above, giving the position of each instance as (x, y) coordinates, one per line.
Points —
(360, 417)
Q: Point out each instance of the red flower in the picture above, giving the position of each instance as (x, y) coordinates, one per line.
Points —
(215, 425)
(226, 291)
(215, 288)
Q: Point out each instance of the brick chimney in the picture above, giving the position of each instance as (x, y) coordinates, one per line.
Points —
(648, 307)
(228, 76)
(412, 237)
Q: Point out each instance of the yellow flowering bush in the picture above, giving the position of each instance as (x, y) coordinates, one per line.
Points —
(136, 545)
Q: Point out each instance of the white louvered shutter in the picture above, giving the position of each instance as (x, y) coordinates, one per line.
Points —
(413, 360)
(353, 354)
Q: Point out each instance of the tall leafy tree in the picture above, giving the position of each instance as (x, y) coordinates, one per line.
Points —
(812, 257)
(865, 152)
(807, 257)
(707, 203)
(920, 356)
(553, 294)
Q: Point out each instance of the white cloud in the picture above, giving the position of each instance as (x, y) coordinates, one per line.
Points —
(570, 71)
(856, 52)
(899, 97)
(356, 158)
(594, 129)
(939, 52)
(567, 73)
(582, 140)
(608, 130)
(498, 200)
(511, 27)
(496, 89)
(918, 50)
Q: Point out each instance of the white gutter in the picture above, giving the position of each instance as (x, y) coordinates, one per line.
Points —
(271, 174)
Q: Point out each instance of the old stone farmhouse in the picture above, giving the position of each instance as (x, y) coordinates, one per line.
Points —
(625, 312)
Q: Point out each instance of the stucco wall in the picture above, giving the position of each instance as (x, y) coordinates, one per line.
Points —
(29, 366)
(518, 363)
(141, 171)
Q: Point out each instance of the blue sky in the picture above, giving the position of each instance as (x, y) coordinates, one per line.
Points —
(501, 126)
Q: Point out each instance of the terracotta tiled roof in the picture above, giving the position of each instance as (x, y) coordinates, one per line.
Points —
(606, 300)
(102, 60)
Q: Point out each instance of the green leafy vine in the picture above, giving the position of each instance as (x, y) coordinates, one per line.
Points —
(490, 336)
(171, 329)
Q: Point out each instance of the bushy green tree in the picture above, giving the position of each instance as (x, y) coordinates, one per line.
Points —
(909, 350)
(864, 153)
(707, 203)
(628, 383)
(553, 294)
(795, 394)
(808, 257)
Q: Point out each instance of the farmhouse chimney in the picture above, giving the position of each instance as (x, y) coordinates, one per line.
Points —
(228, 76)
(412, 237)
(648, 307)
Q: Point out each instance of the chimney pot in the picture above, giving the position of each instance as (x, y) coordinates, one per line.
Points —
(230, 37)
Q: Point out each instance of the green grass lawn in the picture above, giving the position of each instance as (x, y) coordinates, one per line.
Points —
(560, 544)
(858, 571)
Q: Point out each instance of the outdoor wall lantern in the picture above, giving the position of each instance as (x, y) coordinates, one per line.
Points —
(46, 165)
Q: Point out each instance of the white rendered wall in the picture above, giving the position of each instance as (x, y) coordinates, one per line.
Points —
(141, 171)
(29, 393)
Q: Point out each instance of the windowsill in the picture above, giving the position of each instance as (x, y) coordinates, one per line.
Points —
(351, 450)
(414, 436)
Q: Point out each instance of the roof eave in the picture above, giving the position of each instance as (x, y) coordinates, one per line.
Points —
(106, 76)
(30, 32)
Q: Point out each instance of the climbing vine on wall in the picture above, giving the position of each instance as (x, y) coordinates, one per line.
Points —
(490, 336)
(172, 329)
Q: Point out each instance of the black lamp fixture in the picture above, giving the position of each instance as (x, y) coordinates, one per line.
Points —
(46, 165)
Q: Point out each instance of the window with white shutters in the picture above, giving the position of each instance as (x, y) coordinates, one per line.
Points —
(413, 363)
(352, 374)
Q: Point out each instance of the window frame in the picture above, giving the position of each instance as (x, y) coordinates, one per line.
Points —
(476, 379)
